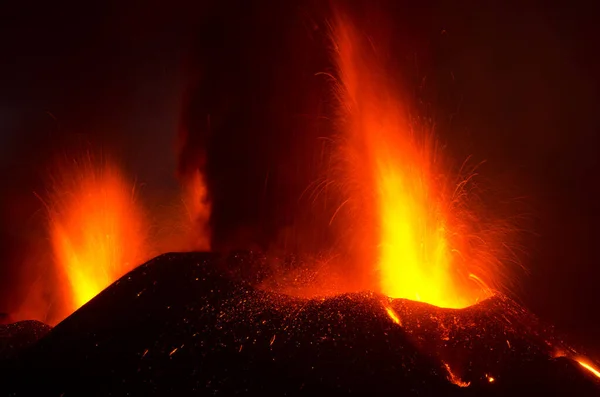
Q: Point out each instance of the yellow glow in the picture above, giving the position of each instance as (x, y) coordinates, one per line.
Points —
(97, 230)
(414, 254)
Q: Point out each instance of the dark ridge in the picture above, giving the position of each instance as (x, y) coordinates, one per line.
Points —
(178, 326)
(17, 336)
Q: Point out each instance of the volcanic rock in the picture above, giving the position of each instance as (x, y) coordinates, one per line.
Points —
(177, 326)
(17, 336)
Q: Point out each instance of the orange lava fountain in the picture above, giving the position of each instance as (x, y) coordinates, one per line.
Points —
(394, 180)
(97, 229)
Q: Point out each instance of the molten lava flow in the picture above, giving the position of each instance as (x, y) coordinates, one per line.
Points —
(393, 315)
(97, 230)
(455, 379)
(391, 169)
(589, 368)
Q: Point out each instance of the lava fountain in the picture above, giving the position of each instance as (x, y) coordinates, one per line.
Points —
(181, 323)
(97, 228)
(392, 171)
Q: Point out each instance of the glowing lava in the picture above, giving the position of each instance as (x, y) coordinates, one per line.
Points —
(393, 171)
(589, 368)
(393, 315)
(97, 229)
(455, 379)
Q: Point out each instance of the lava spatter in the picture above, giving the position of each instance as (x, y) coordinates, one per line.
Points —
(194, 330)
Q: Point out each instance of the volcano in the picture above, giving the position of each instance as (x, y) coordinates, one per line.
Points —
(182, 324)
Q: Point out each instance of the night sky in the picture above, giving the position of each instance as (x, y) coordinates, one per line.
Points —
(516, 86)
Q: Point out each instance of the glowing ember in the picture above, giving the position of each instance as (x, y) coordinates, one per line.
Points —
(96, 227)
(392, 167)
(455, 379)
(589, 368)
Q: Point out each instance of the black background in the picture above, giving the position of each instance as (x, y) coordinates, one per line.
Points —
(513, 84)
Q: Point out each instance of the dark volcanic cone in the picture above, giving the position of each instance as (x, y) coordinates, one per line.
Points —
(17, 336)
(176, 326)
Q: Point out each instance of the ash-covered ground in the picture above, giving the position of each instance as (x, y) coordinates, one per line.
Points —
(182, 324)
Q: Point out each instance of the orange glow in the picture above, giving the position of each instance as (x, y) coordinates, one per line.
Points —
(589, 368)
(394, 173)
(97, 229)
(197, 206)
(490, 378)
(455, 379)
